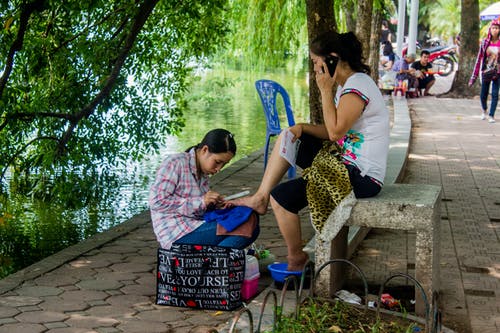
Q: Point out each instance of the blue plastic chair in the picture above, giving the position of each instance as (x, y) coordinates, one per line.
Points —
(268, 90)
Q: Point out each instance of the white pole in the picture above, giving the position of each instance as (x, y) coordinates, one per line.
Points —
(401, 26)
(412, 40)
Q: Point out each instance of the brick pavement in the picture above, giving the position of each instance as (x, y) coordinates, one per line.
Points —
(455, 148)
(451, 146)
(106, 284)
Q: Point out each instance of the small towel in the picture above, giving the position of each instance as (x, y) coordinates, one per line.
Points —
(229, 218)
(246, 229)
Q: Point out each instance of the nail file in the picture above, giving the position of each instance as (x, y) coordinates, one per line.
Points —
(236, 195)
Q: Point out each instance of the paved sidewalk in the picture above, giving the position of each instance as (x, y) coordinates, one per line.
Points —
(107, 283)
(456, 149)
(451, 146)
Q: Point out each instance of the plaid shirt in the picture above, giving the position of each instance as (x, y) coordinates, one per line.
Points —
(176, 198)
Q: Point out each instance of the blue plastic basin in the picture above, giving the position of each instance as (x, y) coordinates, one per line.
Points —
(279, 272)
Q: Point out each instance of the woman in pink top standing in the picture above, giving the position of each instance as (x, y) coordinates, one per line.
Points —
(488, 58)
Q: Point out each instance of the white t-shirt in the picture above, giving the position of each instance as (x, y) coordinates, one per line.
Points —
(366, 144)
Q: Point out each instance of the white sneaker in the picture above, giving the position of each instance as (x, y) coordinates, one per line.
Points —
(491, 119)
(483, 115)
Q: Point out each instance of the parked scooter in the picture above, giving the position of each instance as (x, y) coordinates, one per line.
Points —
(443, 58)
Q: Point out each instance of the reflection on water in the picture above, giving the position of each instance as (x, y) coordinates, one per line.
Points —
(31, 230)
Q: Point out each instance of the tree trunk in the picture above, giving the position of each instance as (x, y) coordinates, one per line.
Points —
(468, 51)
(350, 15)
(320, 18)
(375, 43)
(364, 25)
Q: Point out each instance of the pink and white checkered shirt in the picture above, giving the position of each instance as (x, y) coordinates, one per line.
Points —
(176, 198)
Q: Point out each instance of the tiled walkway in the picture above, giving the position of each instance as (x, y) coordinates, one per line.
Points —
(451, 146)
(107, 283)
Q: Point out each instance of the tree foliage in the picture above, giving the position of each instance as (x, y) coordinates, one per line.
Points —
(431, 15)
(92, 84)
(87, 85)
(266, 33)
(449, 28)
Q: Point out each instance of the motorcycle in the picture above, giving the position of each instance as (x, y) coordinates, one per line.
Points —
(442, 58)
(432, 42)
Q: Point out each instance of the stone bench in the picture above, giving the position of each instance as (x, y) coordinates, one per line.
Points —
(413, 207)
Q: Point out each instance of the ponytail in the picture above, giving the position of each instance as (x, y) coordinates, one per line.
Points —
(218, 141)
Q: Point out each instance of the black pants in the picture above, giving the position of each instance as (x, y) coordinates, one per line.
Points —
(291, 195)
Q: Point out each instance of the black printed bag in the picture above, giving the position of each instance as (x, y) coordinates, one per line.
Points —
(200, 276)
(490, 71)
(489, 74)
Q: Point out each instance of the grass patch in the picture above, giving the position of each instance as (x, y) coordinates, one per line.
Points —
(318, 315)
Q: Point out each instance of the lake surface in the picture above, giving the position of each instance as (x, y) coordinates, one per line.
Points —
(32, 229)
(229, 100)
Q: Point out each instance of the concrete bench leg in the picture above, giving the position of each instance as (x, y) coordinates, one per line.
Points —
(427, 260)
(332, 278)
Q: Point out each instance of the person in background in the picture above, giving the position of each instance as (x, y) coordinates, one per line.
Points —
(356, 118)
(405, 72)
(423, 71)
(388, 57)
(488, 57)
(386, 33)
(180, 194)
(457, 42)
(402, 67)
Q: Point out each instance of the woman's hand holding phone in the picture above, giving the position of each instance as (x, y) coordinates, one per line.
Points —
(326, 81)
(331, 62)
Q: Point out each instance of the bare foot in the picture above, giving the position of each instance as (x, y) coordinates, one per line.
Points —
(297, 263)
(257, 202)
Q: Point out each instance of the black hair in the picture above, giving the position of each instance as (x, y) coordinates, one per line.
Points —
(346, 45)
(425, 52)
(218, 141)
(385, 24)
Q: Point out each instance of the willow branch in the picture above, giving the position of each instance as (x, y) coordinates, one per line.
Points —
(139, 20)
(104, 19)
(17, 45)
(16, 154)
(26, 116)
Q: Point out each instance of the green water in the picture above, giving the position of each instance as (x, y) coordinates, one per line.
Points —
(228, 99)
(32, 229)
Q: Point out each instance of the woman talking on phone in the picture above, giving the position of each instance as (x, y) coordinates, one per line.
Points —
(355, 117)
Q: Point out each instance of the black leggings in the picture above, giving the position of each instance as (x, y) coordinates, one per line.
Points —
(291, 195)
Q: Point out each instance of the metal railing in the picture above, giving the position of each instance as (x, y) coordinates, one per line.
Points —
(432, 323)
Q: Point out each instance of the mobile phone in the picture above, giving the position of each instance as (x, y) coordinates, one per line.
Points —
(331, 62)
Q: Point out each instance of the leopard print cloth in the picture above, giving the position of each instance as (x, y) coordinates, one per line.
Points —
(327, 183)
